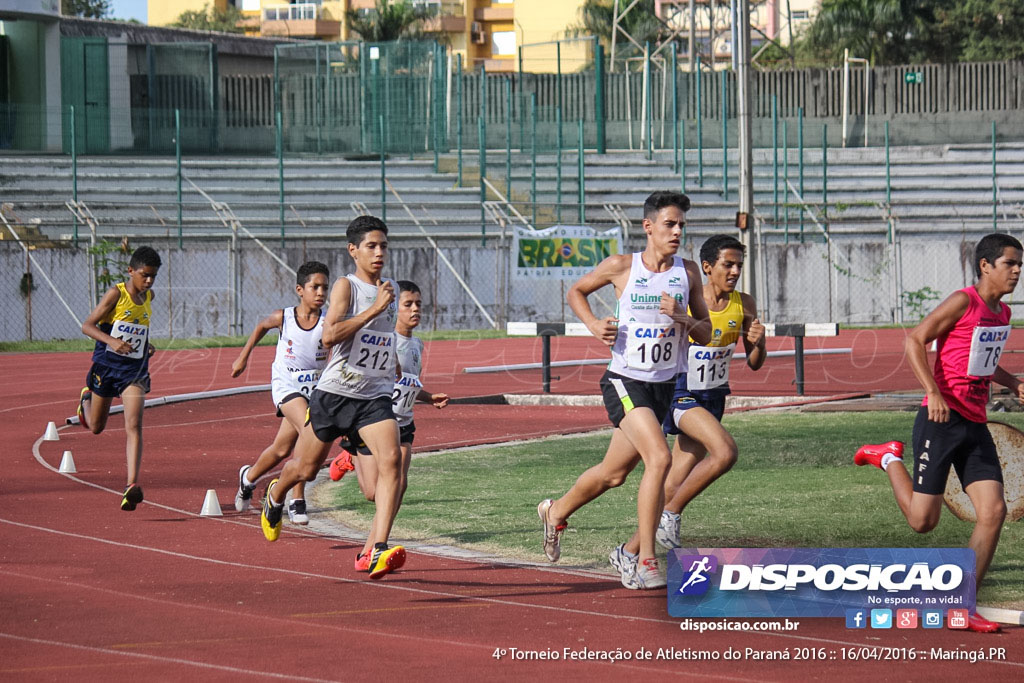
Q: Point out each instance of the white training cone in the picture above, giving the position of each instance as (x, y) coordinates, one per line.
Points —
(67, 464)
(51, 432)
(211, 506)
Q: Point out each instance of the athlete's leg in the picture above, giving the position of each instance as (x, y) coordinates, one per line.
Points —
(383, 441)
(97, 411)
(701, 432)
(308, 456)
(990, 508)
(643, 429)
(921, 509)
(619, 460)
(406, 461)
(133, 397)
(366, 474)
(277, 451)
(294, 412)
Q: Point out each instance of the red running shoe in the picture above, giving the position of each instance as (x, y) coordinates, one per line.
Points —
(340, 465)
(872, 454)
(362, 563)
(980, 624)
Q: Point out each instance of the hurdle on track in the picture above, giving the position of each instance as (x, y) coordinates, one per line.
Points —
(547, 330)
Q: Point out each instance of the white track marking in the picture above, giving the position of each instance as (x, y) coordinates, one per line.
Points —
(158, 658)
(568, 610)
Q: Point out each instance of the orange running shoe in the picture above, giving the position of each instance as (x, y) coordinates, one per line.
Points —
(980, 624)
(873, 454)
(340, 465)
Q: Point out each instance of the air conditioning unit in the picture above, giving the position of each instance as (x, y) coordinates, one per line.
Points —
(477, 33)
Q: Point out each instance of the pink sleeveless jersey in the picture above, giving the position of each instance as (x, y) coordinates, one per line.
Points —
(968, 355)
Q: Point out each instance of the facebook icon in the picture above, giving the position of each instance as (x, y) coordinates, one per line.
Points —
(856, 618)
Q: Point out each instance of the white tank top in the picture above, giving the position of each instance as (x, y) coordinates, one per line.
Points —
(649, 346)
(410, 357)
(363, 366)
(300, 353)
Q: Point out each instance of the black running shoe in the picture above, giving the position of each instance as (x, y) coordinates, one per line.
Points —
(132, 497)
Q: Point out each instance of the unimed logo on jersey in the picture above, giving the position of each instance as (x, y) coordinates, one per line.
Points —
(816, 582)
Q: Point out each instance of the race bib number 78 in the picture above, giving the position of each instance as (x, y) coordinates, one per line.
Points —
(987, 344)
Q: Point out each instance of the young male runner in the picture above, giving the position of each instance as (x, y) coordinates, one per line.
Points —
(970, 329)
(648, 341)
(699, 399)
(353, 396)
(408, 389)
(299, 359)
(120, 361)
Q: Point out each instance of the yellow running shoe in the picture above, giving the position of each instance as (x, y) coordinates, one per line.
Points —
(384, 560)
(270, 518)
(132, 497)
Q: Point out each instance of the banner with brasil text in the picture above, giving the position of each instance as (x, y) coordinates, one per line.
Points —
(562, 252)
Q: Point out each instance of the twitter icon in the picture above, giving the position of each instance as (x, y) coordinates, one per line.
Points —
(881, 618)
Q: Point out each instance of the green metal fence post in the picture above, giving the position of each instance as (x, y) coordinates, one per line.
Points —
(482, 131)
(458, 111)
(649, 113)
(599, 110)
(775, 161)
(558, 164)
(558, 75)
(800, 161)
(682, 158)
(533, 152)
(724, 89)
(582, 177)
(74, 171)
(383, 171)
(279, 145)
(675, 112)
(700, 129)
(177, 156)
(888, 170)
(522, 119)
(824, 176)
(785, 174)
(995, 185)
(508, 138)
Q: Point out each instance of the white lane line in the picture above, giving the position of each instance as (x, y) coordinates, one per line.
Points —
(567, 610)
(159, 658)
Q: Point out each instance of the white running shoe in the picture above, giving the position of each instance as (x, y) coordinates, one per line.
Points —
(625, 565)
(243, 497)
(297, 512)
(552, 532)
(648, 575)
(667, 534)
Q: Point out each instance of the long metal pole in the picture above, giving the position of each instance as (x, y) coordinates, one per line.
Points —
(558, 164)
(800, 161)
(995, 185)
(74, 170)
(700, 130)
(582, 177)
(533, 155)
(482, 132)
(775, 160)
(824, 176)
(383, 172)
(458, 113)
(746, 152)
(177, 157)
(675, 111)
(508, 137)
(599, 110)
(724, 97)
(280, 173)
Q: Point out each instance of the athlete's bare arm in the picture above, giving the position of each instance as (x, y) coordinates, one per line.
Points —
(939, 321)
(696, 323)
(338, 327)
(271, 322)
(614, 270)
(753, 334)
(1009, 381)
(90, 327)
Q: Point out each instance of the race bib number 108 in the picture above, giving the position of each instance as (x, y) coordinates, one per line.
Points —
(651, 347)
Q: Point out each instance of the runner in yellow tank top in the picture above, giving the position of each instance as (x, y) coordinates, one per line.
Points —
(699, 399)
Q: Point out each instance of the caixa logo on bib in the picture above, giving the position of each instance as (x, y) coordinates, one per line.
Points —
(816, 582)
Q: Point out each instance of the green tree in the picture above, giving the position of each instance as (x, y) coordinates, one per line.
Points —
(207, 19)
(982, 30)
(883, 31)
(90, 9)
(389, 20)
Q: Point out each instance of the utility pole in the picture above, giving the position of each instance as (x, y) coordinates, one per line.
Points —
(745, 215)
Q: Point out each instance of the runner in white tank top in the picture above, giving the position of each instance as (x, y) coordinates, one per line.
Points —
(297, 364)
(647, 336)
(353, 396)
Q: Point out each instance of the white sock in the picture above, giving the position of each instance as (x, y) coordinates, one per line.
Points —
(246, 482)
(888, 458)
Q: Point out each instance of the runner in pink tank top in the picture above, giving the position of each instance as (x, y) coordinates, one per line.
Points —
(970, 329)
(980, 332)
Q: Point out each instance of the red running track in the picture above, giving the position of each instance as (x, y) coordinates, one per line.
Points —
(94, 593)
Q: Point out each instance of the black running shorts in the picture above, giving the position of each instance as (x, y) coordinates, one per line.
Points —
(406, 435)
(966, 446)
(333, 415)
(622, 394)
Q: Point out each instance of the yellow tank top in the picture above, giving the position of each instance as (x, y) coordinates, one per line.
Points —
(727, 324)
(128, 321)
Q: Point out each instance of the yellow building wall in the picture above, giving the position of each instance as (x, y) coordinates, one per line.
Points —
(166, 12)
(541, 21)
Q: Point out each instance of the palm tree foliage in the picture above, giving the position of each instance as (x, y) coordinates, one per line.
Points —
(390, 20)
